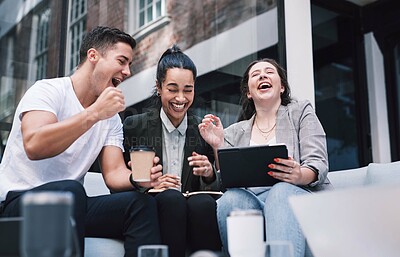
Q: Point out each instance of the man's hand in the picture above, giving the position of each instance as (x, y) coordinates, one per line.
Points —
(110, 102)
(155, 174)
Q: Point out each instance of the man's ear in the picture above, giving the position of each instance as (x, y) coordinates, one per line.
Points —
(92, 55)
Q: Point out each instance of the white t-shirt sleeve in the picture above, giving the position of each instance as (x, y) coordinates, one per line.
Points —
(57, 97)
(42, 96)
(115, 135)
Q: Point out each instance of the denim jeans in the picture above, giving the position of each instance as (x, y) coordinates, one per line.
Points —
(280, 222)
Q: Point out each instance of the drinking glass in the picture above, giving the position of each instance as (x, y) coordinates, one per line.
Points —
(46, 227)
(153, 251)
(279, 249)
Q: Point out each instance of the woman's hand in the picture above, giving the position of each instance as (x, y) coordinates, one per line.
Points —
(168, 181)
(201, 165)
(212, 131)
(288, 170)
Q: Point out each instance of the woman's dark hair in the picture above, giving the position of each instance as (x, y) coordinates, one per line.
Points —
(248, 108)
(172, 58)
(101, 38)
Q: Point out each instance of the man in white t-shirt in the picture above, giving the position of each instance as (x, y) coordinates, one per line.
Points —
(62, 125)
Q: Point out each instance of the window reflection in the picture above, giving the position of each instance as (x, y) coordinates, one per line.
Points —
(222, 37)
(42, 44)
(396, 71)
(333, 44)
(77, 30)
(147, 11)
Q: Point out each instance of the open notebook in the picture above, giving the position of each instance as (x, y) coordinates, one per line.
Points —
(359, 222)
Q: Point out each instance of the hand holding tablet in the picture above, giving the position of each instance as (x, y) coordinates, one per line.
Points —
(248, 166)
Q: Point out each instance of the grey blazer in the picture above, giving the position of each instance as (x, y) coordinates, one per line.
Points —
(298, 127)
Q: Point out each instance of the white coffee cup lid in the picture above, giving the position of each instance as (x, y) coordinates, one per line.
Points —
(248, 212)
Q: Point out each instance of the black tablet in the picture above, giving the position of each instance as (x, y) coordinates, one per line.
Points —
(248, 166)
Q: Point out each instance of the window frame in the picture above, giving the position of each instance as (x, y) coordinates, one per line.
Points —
(133, 16)
(41, 43)
(76, 32)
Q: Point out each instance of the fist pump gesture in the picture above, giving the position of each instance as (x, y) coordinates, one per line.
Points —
(110, 102)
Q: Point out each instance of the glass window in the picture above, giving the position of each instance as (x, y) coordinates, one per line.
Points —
(397, 72)
(42, 44)
(7, 93)
(395, 89)
(145, 16)
(8, 87)
(77, 30)
(219, 90)
(148, 10)
(334, 69)
(222, 38)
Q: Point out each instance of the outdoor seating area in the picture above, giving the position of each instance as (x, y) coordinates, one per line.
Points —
(373, 174)
(200, 128)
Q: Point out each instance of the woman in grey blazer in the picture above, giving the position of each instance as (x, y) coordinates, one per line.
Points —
(270, 117)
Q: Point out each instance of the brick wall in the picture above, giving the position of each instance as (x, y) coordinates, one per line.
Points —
(54, 39)
(193, 22)
(106, 13)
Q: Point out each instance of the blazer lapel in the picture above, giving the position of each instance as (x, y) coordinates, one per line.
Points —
(285, 130)
(188, 149)
(246, 127)
(154, 131)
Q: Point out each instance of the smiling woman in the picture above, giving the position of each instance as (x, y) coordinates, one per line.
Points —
(177, 94)
(275, 119)
(171, 128)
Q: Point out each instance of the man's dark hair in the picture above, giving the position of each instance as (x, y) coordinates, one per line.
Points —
(101, 38)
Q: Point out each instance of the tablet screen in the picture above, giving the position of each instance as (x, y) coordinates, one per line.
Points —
(248, 166)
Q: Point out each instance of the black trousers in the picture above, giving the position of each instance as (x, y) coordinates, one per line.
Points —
(187, 224)
(130, 215)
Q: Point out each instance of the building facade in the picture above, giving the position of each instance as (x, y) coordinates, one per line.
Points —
(342, 55)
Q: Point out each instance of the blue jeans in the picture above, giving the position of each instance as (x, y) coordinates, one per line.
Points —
(280, 222)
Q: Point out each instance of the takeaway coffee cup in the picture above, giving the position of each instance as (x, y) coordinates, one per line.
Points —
(246, 233)
(141, 162)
